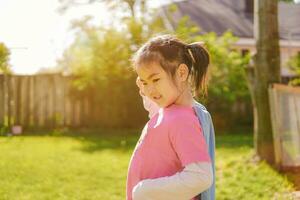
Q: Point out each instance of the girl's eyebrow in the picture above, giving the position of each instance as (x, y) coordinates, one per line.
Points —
(150, 76)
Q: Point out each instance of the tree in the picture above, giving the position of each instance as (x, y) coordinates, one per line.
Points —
(266, 72)
(4, 59)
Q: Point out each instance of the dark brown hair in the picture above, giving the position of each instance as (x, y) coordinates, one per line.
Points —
(169, 52)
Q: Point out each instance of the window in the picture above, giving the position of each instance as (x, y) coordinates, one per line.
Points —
(244, 52)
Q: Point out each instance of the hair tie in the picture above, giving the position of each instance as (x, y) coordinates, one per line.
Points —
(189, 47)
(191, 54)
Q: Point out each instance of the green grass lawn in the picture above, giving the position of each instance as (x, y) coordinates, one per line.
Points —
(90, 166)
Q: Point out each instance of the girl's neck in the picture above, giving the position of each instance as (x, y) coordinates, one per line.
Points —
(185, 98)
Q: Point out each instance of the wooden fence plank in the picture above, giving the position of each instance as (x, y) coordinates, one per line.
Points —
(26, 90)
(285, 114)
(9, 100)
(275, 126)
(37, 102)
(17, 99)
(2, 96)
(5, 85)
(31, 102)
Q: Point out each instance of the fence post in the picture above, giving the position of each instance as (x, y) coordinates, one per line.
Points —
(275, 125)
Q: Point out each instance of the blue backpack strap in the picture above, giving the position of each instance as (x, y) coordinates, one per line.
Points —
(209, 135)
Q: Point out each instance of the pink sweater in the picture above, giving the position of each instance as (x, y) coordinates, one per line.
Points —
(171, 140)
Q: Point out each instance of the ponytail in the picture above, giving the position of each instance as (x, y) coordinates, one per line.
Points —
(199, 58)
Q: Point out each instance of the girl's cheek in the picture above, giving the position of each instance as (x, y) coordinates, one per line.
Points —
(162, 87)
(147, 90)
(146, 93)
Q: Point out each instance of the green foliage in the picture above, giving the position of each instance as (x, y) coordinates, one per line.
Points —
(228, 76)
(4, 59)
(294, 65)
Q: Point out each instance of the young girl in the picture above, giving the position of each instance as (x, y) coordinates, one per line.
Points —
(208, 132)
(171, 159)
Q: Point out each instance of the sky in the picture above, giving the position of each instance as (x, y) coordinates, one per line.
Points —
(37, 34)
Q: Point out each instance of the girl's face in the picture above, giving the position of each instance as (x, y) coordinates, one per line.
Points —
(158, 84)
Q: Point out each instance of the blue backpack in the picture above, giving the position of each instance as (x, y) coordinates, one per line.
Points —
(209, 135)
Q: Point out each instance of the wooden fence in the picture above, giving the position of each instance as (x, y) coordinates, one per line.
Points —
(41, 101)
(285, 115)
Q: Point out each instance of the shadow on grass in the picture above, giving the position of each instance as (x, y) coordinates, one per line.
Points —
(96, 139)
(234, 140)
(124, 143)
(125, 139)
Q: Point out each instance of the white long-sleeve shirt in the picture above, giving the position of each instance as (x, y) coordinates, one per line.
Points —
(194, 179)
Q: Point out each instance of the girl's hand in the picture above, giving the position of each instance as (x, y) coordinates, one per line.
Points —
(149, 105)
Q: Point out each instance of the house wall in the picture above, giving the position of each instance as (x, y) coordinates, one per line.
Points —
(287, 50)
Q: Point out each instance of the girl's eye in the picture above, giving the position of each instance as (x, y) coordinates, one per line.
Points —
(155, 80)
(144, 83)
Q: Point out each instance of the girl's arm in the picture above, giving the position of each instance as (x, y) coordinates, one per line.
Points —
(149, 105)
(194, 179)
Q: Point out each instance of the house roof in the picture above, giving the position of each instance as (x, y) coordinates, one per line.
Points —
(222, 15)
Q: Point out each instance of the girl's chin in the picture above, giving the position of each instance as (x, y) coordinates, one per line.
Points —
(165, 105)
(162, 103)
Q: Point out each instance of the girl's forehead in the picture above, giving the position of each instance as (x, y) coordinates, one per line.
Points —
(145, 70)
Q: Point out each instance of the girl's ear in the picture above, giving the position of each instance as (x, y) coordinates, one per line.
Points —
(182, 72)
